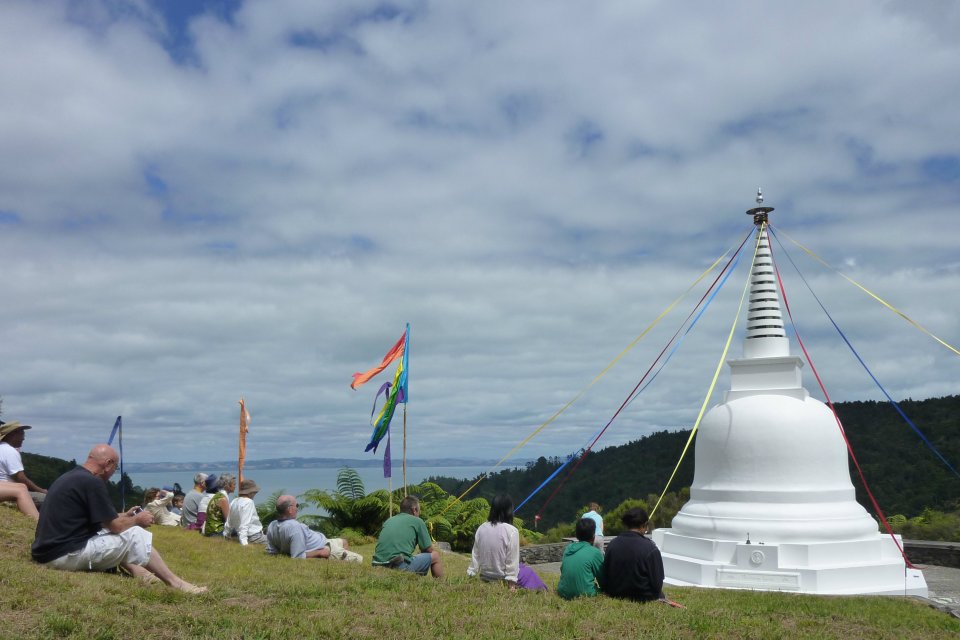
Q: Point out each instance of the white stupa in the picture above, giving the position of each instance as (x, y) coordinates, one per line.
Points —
(772, 506)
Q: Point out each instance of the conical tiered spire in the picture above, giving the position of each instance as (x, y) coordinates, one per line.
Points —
(765, 335)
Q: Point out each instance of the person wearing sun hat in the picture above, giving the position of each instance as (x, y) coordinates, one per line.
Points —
(13, 491)
(12, 435)
(243, 523)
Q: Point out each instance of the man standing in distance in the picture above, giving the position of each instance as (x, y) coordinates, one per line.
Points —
(79, 530)
(594, 514)
(398, 538)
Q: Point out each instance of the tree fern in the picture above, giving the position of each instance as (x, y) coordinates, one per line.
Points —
(267, 510)
(350, 484)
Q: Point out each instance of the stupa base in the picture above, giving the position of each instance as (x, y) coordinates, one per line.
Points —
(871, 566)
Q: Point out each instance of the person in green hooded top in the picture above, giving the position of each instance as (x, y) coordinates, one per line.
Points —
(582, 564)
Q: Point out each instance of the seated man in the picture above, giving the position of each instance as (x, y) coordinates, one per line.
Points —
(288, 537)
(243, 522)
(12, 435)
(582, 563)
(398, 538)
(632, 566)
(79, 530)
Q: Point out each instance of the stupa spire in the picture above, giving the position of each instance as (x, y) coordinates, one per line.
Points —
(765, 335)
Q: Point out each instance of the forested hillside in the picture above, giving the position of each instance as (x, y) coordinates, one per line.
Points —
(904, 475)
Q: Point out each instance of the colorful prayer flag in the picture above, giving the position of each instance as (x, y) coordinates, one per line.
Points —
(116, 427)
(244, 420)
(395, 352)
(396, 393)
(387, 461)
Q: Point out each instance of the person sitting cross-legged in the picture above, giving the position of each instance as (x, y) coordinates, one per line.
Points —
(400, 535)
(191, 503)
(218, 508)
(79, 530)
(243, 523)
(582, 564)
(14, 483)
(287, 536)
(496, 550)
(632, 566)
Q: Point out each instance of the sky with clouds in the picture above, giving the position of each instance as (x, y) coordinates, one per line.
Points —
(203, 200)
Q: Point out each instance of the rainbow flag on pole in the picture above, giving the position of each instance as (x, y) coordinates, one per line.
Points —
(396, 392)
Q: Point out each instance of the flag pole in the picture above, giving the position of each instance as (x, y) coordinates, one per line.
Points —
(123, 501)
(406, 398)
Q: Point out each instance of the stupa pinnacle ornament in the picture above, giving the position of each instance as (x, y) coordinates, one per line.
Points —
(771, 505)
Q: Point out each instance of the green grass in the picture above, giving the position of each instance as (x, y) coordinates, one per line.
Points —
(257, 596)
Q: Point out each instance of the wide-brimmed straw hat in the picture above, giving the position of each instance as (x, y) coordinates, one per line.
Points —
(6, 428)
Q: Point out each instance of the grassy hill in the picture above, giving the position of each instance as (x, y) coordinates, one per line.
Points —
(257, 596)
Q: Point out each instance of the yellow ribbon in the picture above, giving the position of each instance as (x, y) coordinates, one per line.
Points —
(868, 292)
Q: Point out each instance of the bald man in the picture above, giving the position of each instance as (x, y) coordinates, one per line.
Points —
(79, 530)
(289, 537)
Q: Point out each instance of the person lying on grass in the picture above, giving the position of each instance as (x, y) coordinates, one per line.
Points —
(79, 530)
(286, 536)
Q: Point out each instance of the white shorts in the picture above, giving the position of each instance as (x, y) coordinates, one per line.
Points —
(107, 550)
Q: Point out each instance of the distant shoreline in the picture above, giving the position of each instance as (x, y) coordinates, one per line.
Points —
(307, 463)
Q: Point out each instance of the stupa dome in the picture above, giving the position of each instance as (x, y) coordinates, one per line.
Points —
(772, 468)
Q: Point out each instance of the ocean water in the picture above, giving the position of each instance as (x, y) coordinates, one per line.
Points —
(296, 481)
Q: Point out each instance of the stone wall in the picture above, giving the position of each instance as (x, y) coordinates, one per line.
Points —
(542, 553)
(942, 554)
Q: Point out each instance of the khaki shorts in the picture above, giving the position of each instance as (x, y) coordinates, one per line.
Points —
(337, 552)
(107, 550)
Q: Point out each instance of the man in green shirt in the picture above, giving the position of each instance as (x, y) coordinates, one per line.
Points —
(398, 538)
(582, 564)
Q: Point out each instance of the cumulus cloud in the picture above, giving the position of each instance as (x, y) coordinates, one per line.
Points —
(234, 198)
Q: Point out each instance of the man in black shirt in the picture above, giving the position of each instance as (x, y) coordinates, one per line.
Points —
(632, 566)
(79, 530)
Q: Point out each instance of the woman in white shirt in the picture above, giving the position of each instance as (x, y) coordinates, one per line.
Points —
(496, 549)
(243, 523)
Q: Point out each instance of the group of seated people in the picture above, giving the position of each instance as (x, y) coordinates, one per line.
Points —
(208, 509)
(631, 568)
(79, 530)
